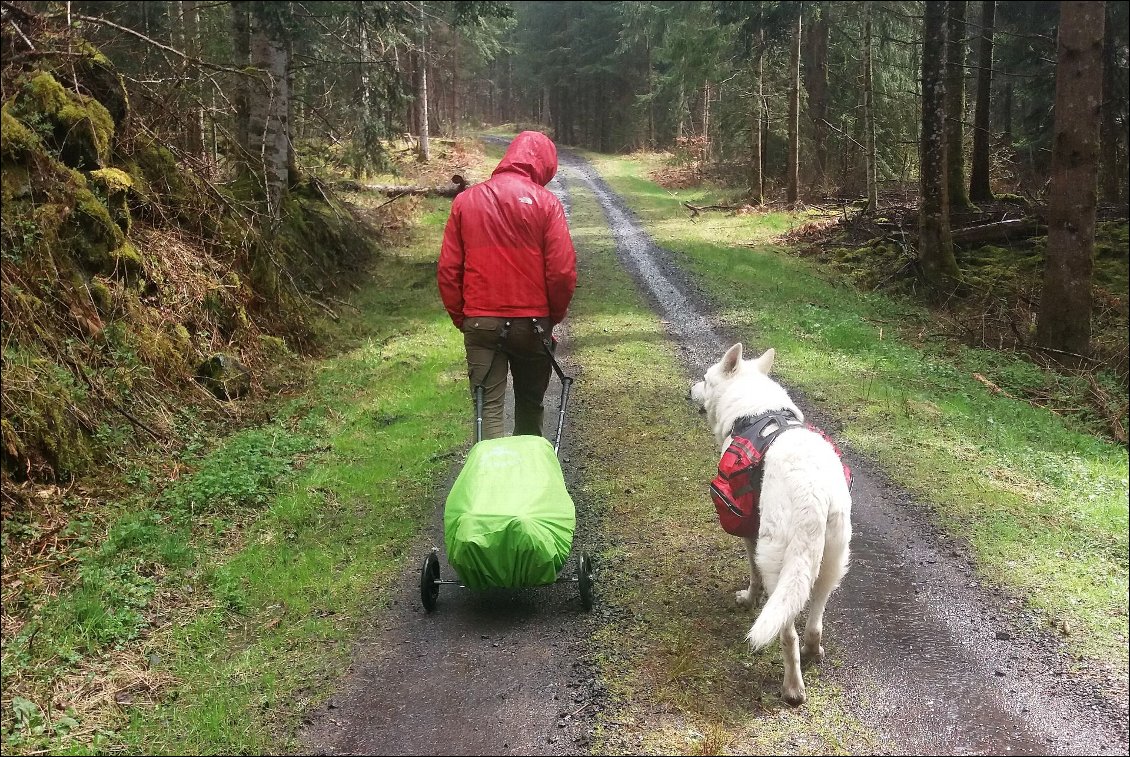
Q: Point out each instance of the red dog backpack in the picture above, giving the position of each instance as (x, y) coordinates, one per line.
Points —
(736, 490)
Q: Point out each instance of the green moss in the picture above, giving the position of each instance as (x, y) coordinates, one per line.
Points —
(161, 351)
(16, 140)
(116, 186)
(113, 179)
(213, 303)
(128, 259)
(239, 318)
(42, 423)
(182, 338)
(103, 81)
(273, 347)
(1112, 240)
(16, 183)
(78, 127)
(100, 295)
(138, 180)
(158, 167)
(1011, 199)
(92, 233)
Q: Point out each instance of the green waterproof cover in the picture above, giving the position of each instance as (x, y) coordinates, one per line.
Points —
(509, 521)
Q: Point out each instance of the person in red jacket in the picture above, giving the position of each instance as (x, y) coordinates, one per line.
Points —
(507, 258)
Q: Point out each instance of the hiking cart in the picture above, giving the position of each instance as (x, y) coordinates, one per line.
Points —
(508, 521)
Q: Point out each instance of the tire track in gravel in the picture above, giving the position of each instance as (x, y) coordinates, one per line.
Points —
(489, 672)
(933, 659)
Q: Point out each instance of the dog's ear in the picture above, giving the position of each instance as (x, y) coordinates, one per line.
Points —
(765, 362)
(732, 360)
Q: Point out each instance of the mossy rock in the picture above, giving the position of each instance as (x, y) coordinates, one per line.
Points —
(224, 376)
(128, 260)
(16, 183)
(78, 127)
(239, 319)
(157, 165)
(42, 427)
(16, 140)
(116, 185)
(273, 347)
(100, 295)
(161, 351)
(98, 75)
(92, 234)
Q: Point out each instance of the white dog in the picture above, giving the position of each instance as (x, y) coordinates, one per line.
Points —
(801, 549)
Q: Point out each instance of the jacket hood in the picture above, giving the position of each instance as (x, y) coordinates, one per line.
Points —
(531, 154)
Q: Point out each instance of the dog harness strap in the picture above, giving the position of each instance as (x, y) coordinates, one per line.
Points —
(753, 427)
(736, 489)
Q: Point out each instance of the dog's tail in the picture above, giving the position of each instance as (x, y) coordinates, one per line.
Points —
(799, 569)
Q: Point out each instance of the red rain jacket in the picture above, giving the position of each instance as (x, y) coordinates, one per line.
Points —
(506, 249)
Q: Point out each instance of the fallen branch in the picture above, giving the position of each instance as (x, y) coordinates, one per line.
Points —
(993, 388)
(1012, 230)
(696, 209)
(457, 185)
(1113, 418)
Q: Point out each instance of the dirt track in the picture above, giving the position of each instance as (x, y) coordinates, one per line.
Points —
(934, 661)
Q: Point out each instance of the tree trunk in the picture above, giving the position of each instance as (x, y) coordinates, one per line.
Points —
(871, 156)
(456, 116)
(955, 106)
(1110, 183)
(269, 105)
(1006, 126)
(425, 153)
(757, 182)
(1065, 305)
(291, 103)
(979, 184)
(679, 111)
(190, 29)
(816, 81)
(935, 245)
(706, 122)
(651, 96)
(241, 46)
(363, 127)
(792, 171)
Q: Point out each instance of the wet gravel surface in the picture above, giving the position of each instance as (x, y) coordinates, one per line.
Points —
(929, 657)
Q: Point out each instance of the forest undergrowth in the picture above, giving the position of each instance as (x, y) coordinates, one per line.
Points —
(995, 305)
(156, 324)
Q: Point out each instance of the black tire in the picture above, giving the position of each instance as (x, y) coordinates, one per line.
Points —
(584, 581)
(429, 589)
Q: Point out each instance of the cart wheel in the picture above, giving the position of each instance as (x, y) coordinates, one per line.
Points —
(429, 589)
(584, 580)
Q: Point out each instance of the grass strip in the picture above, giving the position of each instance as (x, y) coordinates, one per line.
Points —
(669, 642)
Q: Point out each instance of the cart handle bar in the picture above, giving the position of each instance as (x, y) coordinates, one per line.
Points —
(566, 384)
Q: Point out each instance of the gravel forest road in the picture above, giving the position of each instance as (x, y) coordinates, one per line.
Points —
(934, 659)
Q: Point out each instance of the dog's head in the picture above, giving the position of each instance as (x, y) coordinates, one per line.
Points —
(709, 393)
